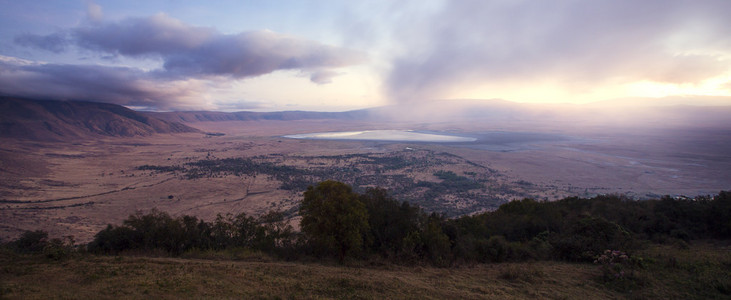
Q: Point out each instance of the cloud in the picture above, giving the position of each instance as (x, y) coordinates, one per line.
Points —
(323, 77)
(94, 12)
(56, 42)
(575, 43)
(192, 59)
(726, 86)
(190, 51)
(256, 53)
(155, 35)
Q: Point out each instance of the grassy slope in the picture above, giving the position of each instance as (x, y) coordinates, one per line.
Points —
(699, 272)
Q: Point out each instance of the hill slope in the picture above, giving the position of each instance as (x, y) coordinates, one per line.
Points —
(62, 120)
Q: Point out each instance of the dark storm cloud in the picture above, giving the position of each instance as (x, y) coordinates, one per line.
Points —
(124, 86)
(257, 53)
(191, 51)
(575, 43)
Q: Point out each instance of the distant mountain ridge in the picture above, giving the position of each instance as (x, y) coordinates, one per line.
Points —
(658, 113)
(417, 111)
(49, 120)
(217, 116)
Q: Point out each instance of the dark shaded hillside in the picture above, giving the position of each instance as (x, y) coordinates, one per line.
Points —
(61, 120)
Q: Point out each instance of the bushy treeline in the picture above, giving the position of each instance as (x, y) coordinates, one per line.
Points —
(580, 229)
(37, 242)
(157, 230)
(339, 223)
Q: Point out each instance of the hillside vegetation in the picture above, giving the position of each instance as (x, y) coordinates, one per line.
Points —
(370, 245)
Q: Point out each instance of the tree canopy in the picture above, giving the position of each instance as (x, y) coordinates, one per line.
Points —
(333, 219)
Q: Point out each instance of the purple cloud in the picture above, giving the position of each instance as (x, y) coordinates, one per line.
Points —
(189, 55)
(156, 35)
(257, 53)
(119, 85)
(191, 51)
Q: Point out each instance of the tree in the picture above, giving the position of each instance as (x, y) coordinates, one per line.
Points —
(389, 221)
(114, 239)
(273, 231)
(333, 219)
(32, 241)
(436, 242)
(719, 216)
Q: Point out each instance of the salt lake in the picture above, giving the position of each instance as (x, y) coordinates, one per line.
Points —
(384, 135)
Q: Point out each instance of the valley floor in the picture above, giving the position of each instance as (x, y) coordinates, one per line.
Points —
(78, 187)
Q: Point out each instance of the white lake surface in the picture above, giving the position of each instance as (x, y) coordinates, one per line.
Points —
(383, 135)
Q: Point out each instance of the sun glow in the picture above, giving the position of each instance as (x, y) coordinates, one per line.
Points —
(710, 87)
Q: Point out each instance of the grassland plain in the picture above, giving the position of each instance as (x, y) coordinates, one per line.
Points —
(701, 271)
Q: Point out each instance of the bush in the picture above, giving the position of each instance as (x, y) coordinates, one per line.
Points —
(115, 239)
(157, 231)
(588, 237)
(31, 242)
(496, 249)
(619, 270)
(58, 249)
(37, 242)
(612, 263)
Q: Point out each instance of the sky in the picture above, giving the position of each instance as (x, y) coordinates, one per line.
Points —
(341, 55)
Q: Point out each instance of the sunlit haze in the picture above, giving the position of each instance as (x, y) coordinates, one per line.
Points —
(344, 55)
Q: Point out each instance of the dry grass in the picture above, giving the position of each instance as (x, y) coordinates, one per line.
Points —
(669, 273)
(702, 271)
(166, 278)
